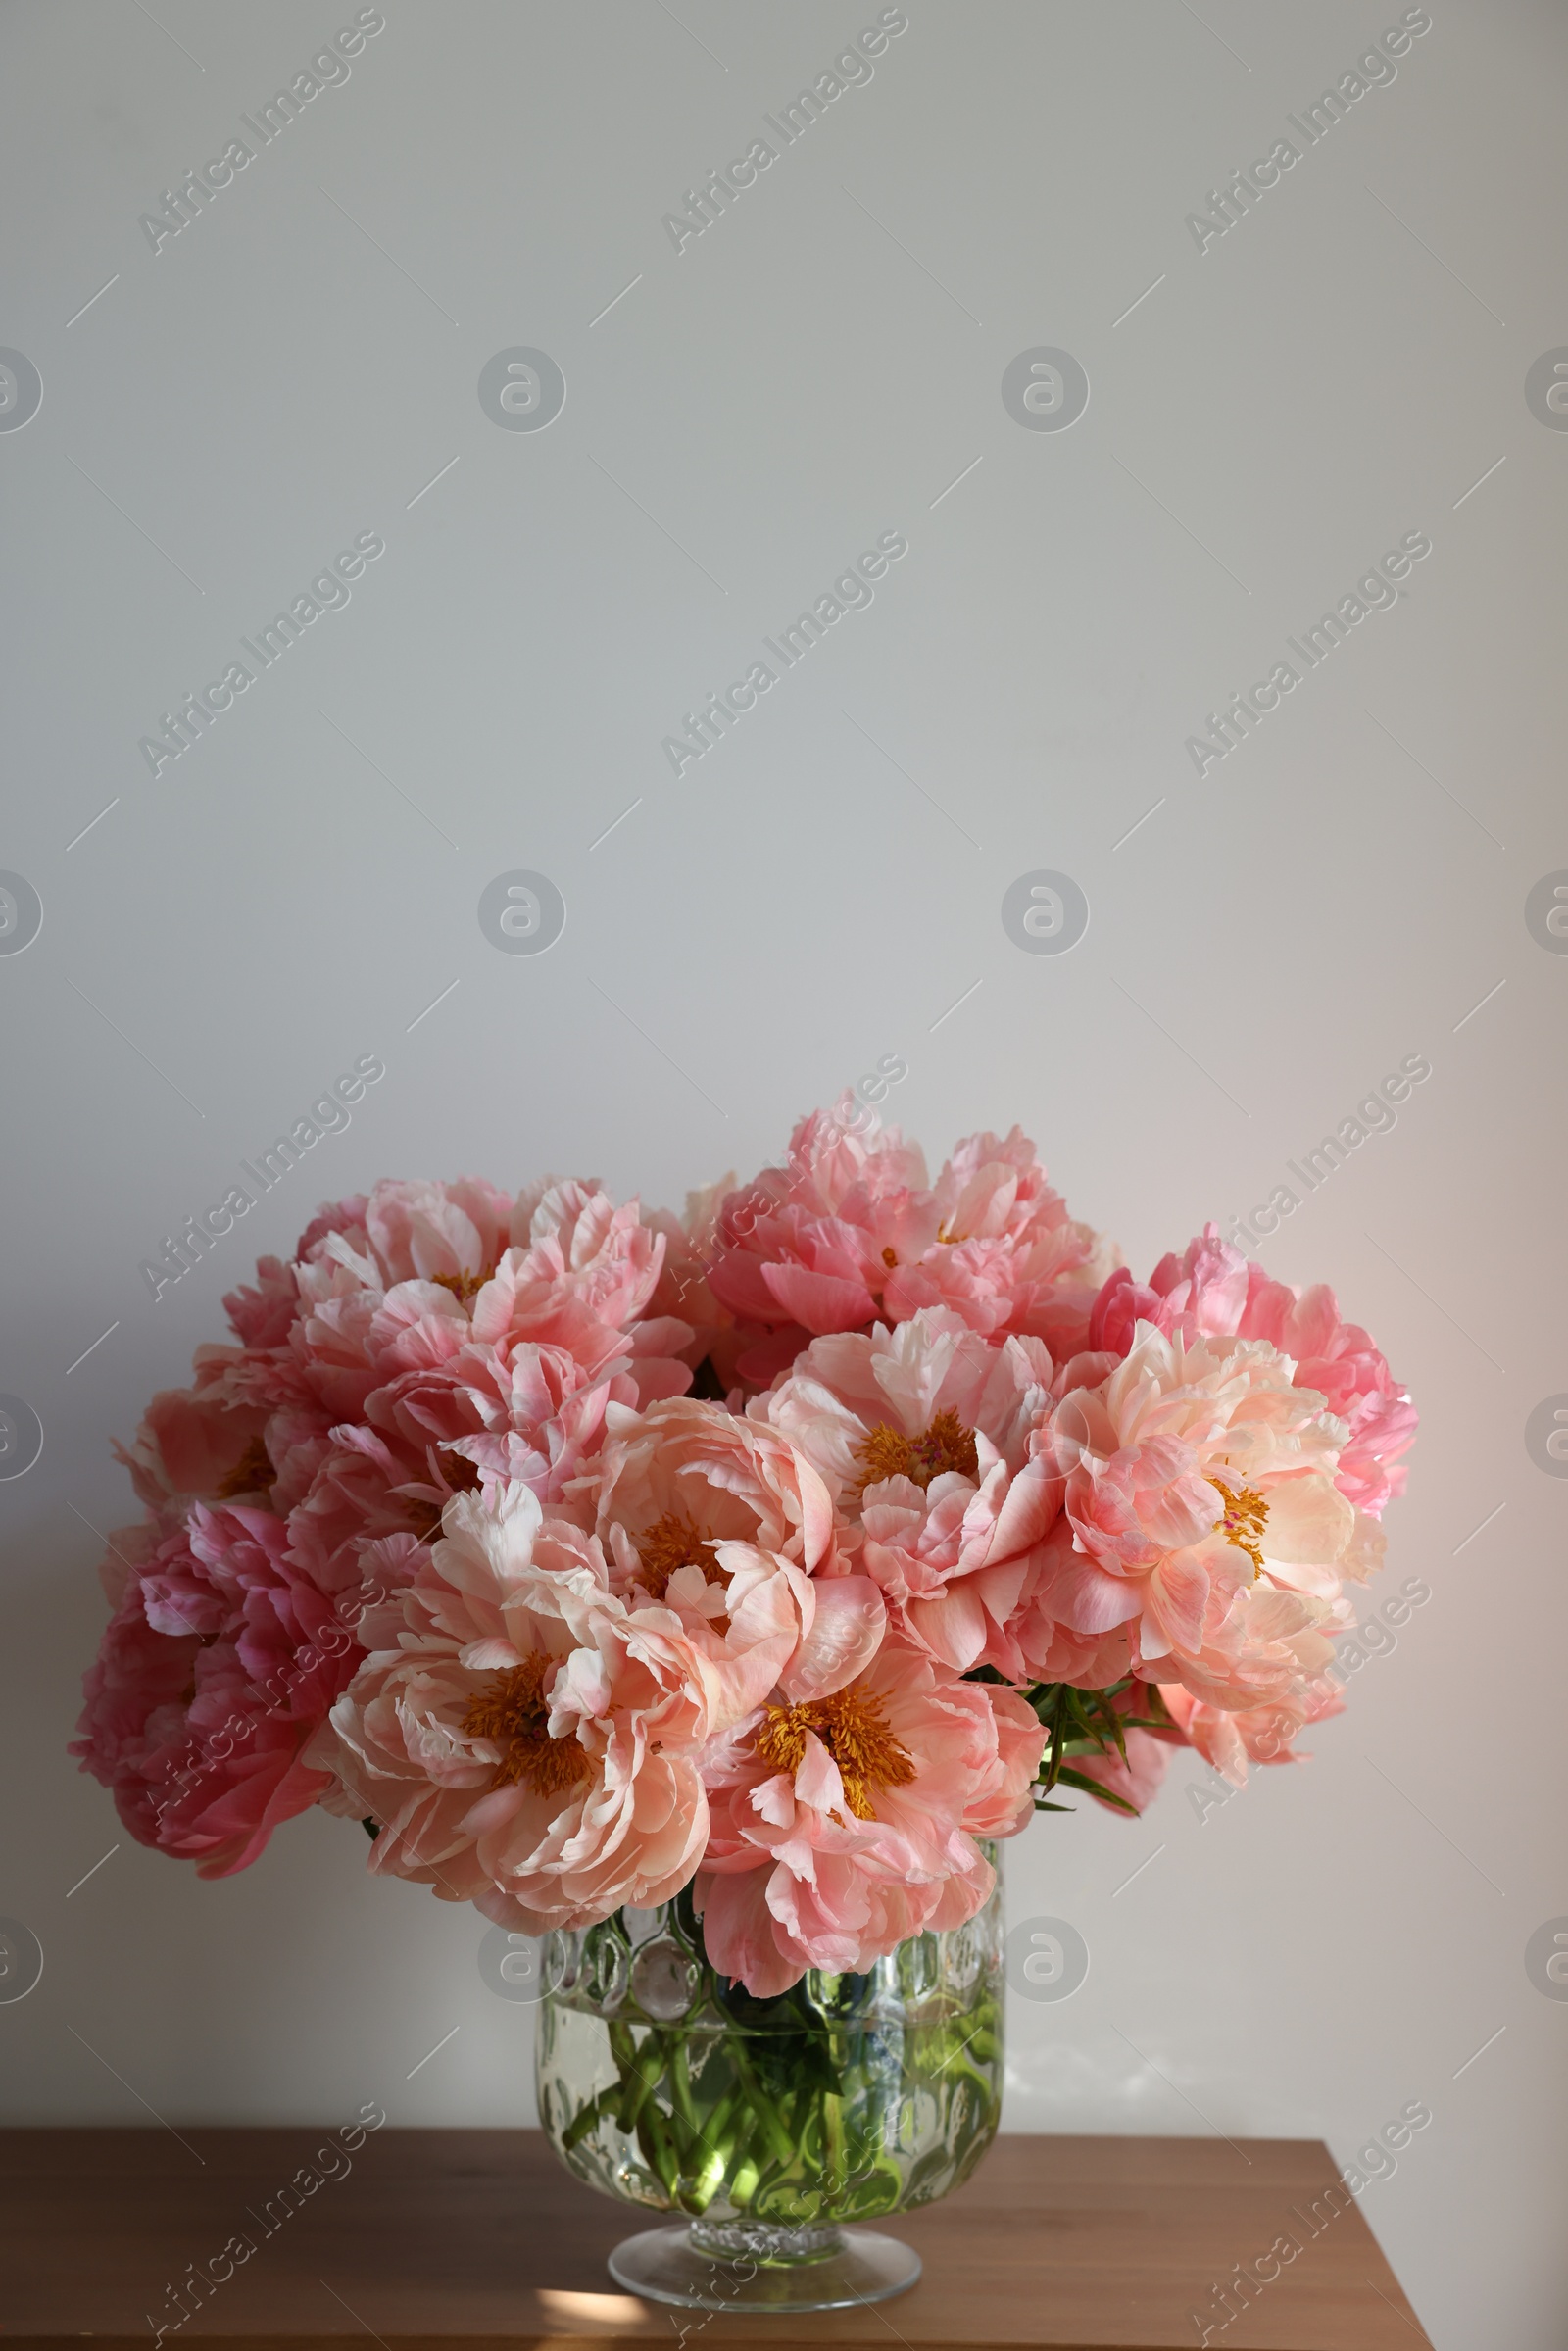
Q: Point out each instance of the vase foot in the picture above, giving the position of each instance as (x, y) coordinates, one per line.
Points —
(753, 2268)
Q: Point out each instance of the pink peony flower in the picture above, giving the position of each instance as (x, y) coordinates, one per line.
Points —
(220, 1662)
(1201, 1515)
(695, 1508)
(1212, 1290)
(1340, 1360)
(444, 1540)
(447, 1233)
(848, 1231)
(1008, 1258)
(844, 1826)
(922, 1435)
(1230, 1739)
(457, 1357)
(685, 1475)
(807, 1248)
(531, 1741)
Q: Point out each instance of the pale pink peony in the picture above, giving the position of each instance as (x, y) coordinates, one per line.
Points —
(432, 1232)
(1201, 1515)
(696, 1472)
(406, 1277)
(843, 1827)
(455, 1356)
(530, 1743)
(1211, 1289)
(923, 1437)
(1230, 1739)
(695, 1506)
(220, 1662)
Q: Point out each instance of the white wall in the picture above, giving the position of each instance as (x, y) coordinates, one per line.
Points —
(1337, 371)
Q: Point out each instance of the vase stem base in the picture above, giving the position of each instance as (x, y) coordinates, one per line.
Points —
(818, 2269)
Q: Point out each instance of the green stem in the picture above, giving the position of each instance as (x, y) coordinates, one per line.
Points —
(833, 2163)
(680, 2085)
(742, 2182)
(584, 2120)
(718, 2132)
(653, 2137)
(640, 2069)
(780, 2143)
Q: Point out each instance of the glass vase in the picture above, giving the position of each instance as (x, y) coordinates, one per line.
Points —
(773, 2125)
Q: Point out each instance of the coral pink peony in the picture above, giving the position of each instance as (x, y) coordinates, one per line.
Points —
(923, 1437)
(1212, 1290)
(1009, 1256)
(453, 1355)
(692, 1473)
(530, 1743)
(1203, 1517)
(848, 1231)
(842, 1827)
(445, 1540)
(1230, 1739)
(807, 1248)
(694, 1507)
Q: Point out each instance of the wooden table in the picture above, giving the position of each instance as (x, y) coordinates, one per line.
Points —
(434, 2239)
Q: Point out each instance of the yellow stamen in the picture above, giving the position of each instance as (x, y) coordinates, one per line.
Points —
(947, 1445)
(1245, 1517)
(252, 1473)
(852, 1727)
(463, 1285)
(890, 1258)
(673, 1542)
(511, 1710)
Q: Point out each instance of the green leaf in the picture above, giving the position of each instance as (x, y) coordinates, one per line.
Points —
(1093, 1787)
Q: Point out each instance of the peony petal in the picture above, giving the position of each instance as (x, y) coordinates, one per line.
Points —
(1082, 1596)
(1309, 1521)
(819, 1301)
(846, 1633)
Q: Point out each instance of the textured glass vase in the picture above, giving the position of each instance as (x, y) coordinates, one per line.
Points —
(770, 2123)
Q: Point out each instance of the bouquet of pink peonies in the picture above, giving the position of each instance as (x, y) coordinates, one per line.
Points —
(772, 1559)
